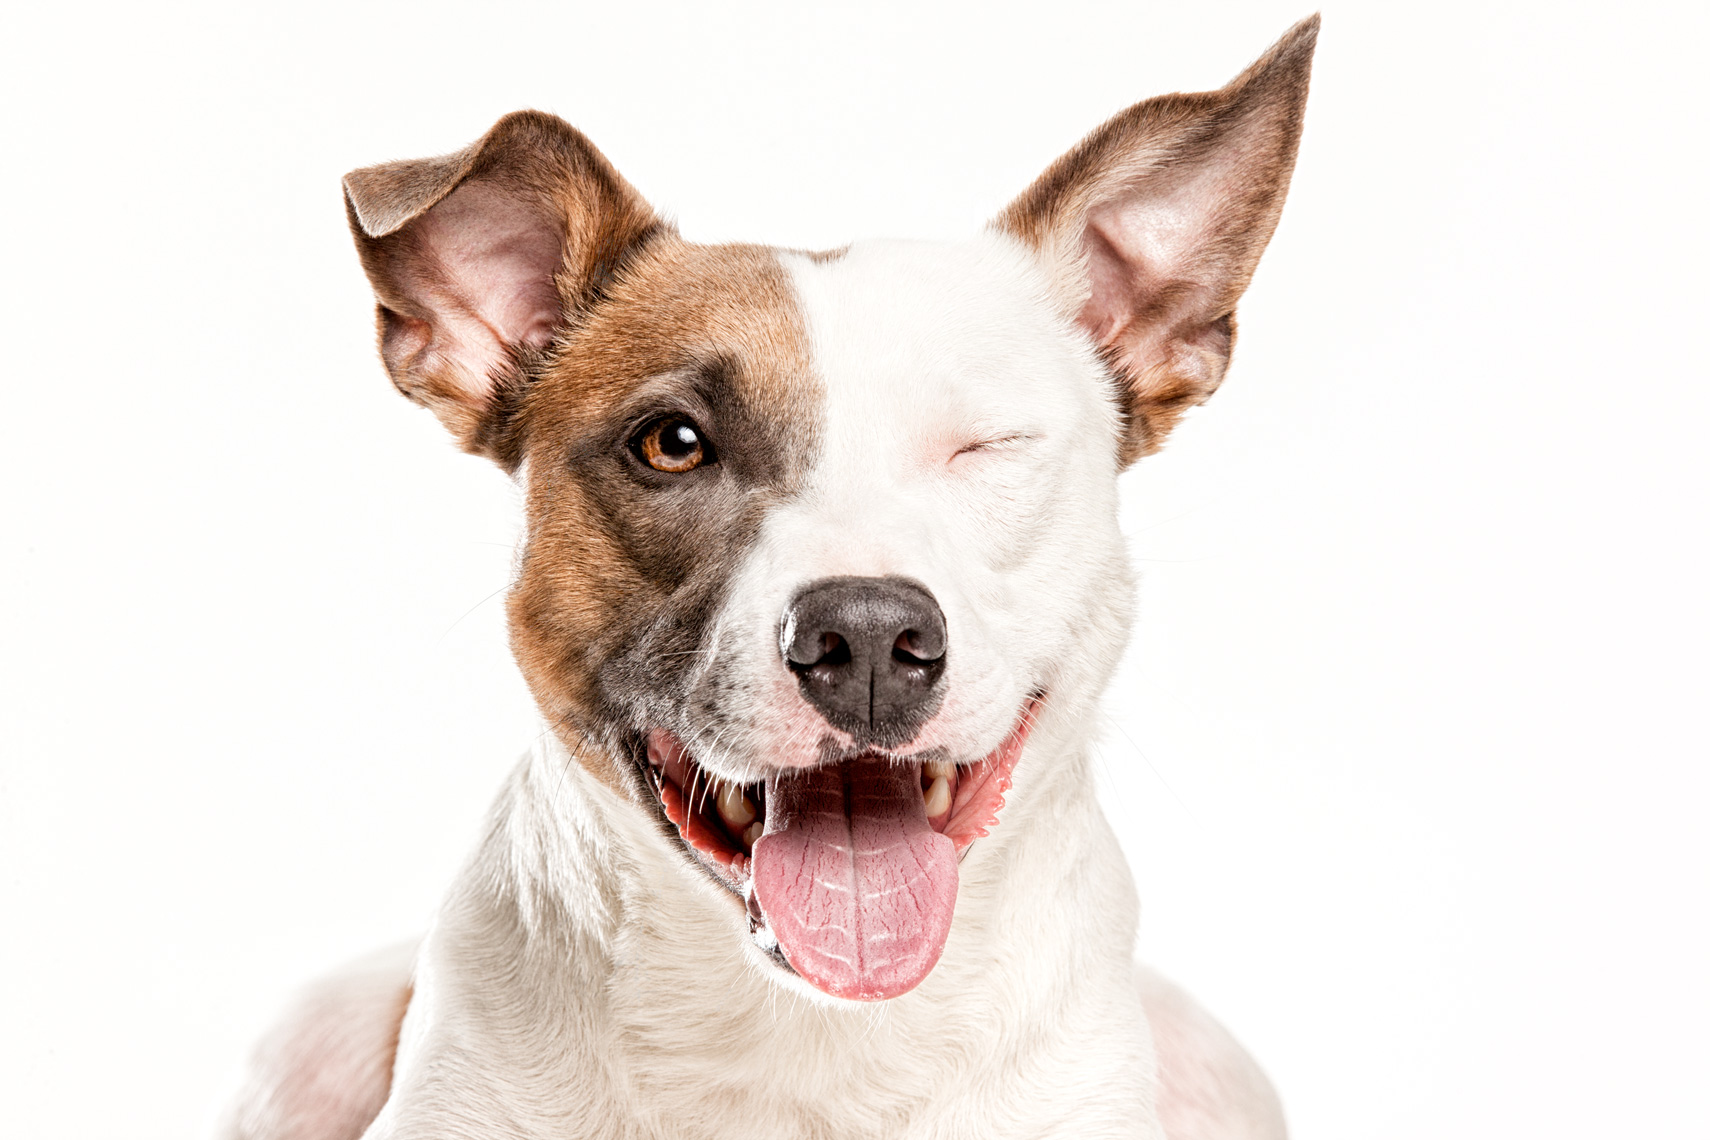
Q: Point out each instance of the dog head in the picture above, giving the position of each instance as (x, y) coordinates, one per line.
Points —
(814, 539)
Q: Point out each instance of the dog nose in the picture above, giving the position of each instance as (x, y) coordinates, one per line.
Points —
(868, 653)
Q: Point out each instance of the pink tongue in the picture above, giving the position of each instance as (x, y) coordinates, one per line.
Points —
(856, 886)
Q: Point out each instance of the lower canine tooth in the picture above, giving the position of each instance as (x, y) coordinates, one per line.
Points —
(938, 798)
(736, 809)
(755, 831)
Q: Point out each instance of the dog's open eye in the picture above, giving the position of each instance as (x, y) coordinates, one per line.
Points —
(673, 445)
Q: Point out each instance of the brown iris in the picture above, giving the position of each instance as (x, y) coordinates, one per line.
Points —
(672, 445)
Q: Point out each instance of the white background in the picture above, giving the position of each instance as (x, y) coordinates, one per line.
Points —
(1409, 754)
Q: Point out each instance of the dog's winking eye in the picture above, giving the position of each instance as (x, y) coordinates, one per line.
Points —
(673, 445)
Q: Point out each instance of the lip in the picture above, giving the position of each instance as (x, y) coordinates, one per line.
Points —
(847, 871)
(687, 798)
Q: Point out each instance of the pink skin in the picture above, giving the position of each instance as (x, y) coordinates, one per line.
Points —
(977, 790)
(796, 726)
(978, 794)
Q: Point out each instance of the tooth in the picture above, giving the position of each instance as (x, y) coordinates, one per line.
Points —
(736, 809)
(938, 769)
(755, 831)
(938, 798)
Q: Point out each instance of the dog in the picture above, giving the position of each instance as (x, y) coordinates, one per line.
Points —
(820, 586)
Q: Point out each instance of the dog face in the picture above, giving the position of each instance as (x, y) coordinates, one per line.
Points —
(813, 539)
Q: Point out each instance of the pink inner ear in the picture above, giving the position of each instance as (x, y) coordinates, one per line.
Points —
(1153, 268)
(493, 256)
(1129, 302)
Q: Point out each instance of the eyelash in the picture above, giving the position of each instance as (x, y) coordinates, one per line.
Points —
(993, 444)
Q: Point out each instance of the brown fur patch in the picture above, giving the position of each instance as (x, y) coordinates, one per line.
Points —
(531, 298)
(624, 567)
(551, 209)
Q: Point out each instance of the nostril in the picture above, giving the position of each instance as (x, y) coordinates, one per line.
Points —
(911, 649)
(834, 650)
(823, 659)
(808, 652)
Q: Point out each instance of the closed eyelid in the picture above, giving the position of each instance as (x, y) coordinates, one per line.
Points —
(1006, 441)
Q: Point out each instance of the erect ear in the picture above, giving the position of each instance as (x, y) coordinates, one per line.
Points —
(1152, 226)
(477, 258)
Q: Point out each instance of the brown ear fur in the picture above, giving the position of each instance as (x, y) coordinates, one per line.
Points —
(1152, 226)
(477, 258)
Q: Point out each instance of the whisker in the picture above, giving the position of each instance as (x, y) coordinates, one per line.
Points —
(471, 610)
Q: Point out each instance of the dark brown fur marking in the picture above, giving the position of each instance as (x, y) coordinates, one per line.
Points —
(623, 567)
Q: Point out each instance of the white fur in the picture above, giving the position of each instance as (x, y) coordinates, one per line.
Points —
(582, 981)
(968, 442)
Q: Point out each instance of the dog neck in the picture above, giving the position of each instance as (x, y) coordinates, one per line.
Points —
(594, 900)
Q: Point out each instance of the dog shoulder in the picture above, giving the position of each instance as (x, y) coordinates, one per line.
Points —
(1209, 1087)
(325, 1069)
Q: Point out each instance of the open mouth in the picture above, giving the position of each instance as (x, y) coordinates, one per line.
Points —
(849, 869)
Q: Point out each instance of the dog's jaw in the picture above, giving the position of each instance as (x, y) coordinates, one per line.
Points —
(743, 836)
